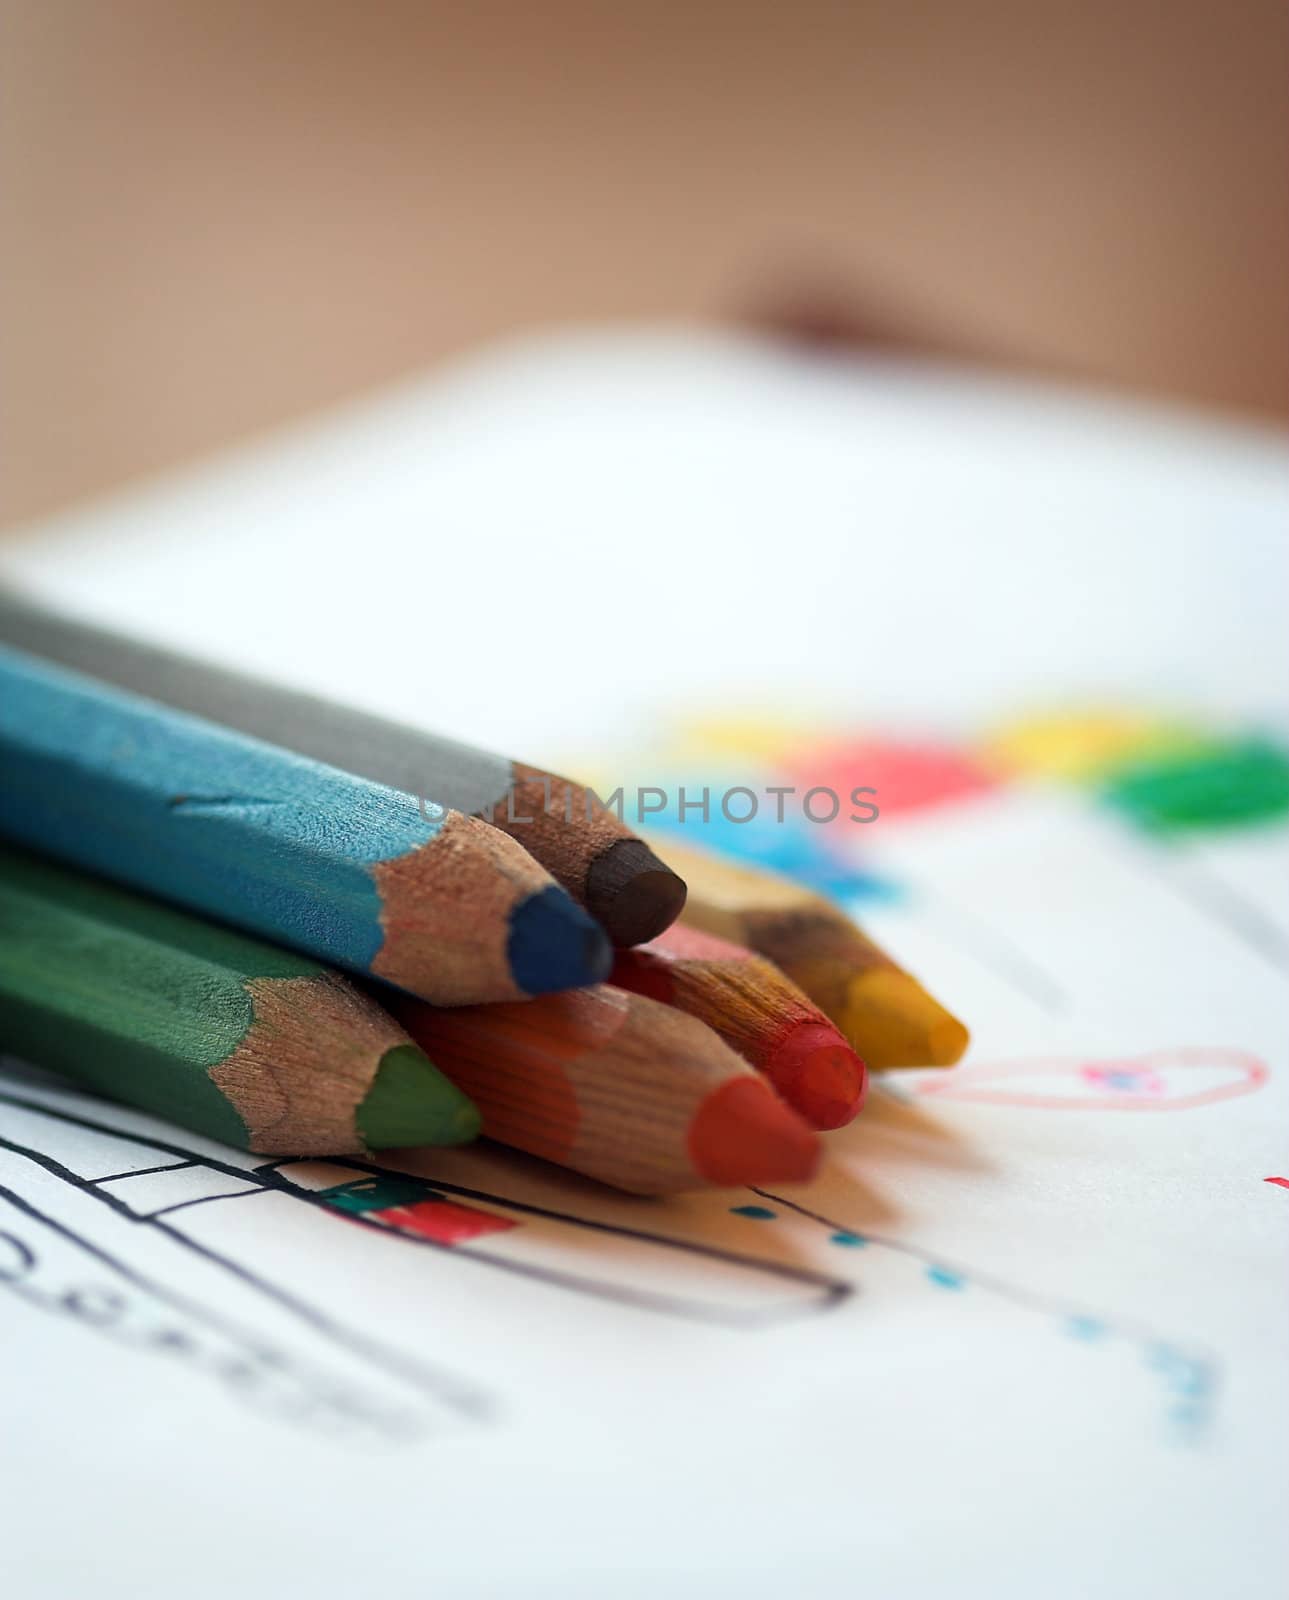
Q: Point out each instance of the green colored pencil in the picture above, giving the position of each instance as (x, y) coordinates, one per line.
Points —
(205, 1027)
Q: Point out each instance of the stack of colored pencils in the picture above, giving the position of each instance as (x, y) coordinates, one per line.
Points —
(299, 928)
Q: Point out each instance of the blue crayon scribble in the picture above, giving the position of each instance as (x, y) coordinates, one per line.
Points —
(944, 1279)
(1189, 1379)
(1087, 1328)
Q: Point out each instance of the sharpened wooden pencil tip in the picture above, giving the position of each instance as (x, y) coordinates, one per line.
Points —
(818, 1074)
(900, 1024)
(632, 894)
(554, 945)
(742, 1133)
(410, 1102)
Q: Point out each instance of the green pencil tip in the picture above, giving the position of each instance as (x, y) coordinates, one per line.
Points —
(411, 1102)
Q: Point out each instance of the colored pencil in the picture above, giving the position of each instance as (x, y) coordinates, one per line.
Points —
(581, 842)
(758, 1012)
(884, 1011)
(205, 1027)
(616, 1087)
(309, 856)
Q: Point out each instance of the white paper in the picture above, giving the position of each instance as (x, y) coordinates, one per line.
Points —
(1025, 1336)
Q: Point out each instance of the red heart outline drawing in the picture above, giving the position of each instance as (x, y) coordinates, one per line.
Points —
(973, 1082)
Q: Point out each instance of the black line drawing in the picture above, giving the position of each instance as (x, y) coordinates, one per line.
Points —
(137, 1309)
(820, 1291)
(321, 1398)
(106, 1293)
(1190, 1376)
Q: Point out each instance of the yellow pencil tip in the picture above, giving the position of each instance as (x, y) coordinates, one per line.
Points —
(949, 1040)
(893, 1022)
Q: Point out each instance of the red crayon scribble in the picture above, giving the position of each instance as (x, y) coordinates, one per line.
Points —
(907, 777)
(1283, 1182)
(1141, 1083)
(444, 1221)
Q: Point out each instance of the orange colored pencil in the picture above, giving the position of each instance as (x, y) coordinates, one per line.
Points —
(615, 1086)
(758, 1012)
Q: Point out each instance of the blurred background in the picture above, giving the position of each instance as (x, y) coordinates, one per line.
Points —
(219, 214)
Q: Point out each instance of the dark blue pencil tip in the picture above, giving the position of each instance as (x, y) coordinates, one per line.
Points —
(554, 944)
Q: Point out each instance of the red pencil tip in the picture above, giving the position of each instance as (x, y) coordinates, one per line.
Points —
(743, 1133)
(818, 1074)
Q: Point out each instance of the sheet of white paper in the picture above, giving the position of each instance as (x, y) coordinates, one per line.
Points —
(1026, 1335)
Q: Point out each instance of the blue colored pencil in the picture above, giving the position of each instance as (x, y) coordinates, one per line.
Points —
(353, 873)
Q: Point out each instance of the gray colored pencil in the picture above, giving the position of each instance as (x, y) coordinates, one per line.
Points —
(581, 843)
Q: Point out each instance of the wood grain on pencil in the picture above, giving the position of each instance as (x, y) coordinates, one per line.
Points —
(758, 1012)
(617, 1087)
(209, 1028)
(884, 1011)
(308, 855)
(584, 845)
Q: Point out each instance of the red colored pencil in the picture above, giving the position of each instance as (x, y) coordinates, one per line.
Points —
(758, 1012)
(617, 1087)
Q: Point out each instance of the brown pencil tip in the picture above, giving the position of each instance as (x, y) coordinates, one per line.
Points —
(743, 1133)
(632, 894)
